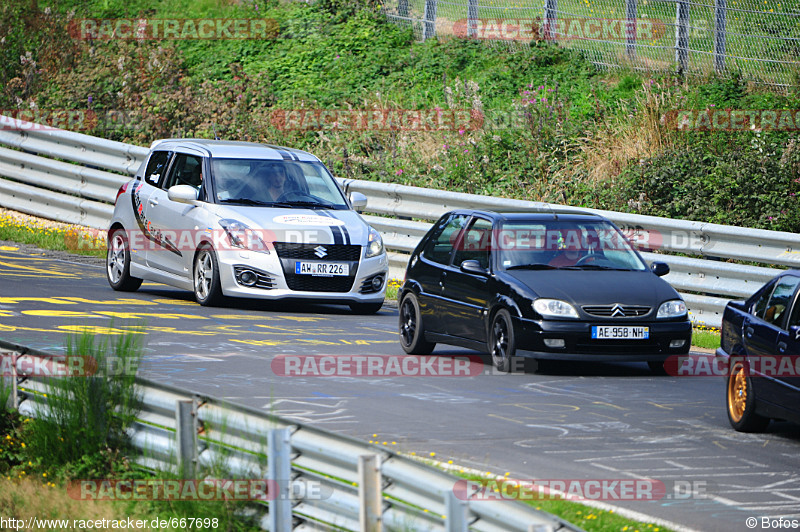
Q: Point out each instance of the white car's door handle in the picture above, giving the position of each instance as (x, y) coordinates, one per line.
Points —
(153, 201)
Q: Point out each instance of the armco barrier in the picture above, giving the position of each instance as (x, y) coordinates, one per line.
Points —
(357, 486)
(34, 182)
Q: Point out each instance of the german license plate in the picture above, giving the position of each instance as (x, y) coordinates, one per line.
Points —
(321, 268)
(613, 332)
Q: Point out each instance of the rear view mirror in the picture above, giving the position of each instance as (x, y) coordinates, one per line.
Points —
(182, 194)
(473, 266)
(660, 268)
(358, 200)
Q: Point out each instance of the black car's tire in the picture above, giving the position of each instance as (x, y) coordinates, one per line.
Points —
(205, 277)
(502, 342)
(365, 308)
(657, 367)
(412, 331)
(741, 401)
(118, 263)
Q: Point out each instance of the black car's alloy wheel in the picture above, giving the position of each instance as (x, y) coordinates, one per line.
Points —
(118, 263)
(412, 333)
(741, 401)
(502, 344)
(207, 290)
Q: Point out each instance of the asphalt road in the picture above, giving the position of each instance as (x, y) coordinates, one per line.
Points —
(567, 421)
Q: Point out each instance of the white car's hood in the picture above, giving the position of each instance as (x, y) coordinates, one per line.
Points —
(321, 226)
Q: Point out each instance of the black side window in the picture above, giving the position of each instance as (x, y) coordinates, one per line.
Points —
(476, 244)
(156, 167)
(780, 300)
(761, 303)
(440, 245)
(186, 170)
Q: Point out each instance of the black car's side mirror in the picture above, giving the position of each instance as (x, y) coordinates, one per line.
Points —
(473, 266)
(660, 268)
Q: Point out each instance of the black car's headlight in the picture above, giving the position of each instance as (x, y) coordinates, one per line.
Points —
(375, 244)
(241, 236)
(674, 308)
(554, 308)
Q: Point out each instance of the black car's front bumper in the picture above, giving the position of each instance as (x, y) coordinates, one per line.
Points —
(579, 344)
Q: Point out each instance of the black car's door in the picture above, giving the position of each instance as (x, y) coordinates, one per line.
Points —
(762, 333)
(465, 294)
(429, 270)
(785, 388)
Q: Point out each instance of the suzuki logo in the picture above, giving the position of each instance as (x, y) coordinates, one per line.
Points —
(320, 251)
(616, 310)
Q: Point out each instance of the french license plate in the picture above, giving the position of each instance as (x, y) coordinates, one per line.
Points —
(321, 268)
(612, 332)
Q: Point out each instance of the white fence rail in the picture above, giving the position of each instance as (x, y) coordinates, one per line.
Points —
(325, 481)
(73, 178)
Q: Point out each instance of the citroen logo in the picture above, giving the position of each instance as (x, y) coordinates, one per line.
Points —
(616, 310)
(320, 251)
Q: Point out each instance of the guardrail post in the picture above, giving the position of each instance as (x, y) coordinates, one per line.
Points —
(279, 471)
(186, 437)
(682, 35)
(720, 23)
(550, 20)
(630, 28)
(430, 20)
(472, 18)
(370, 508)
(455, 512)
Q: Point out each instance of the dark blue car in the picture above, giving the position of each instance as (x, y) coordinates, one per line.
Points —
(760, 348)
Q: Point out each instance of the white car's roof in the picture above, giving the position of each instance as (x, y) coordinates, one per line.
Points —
(236, 149)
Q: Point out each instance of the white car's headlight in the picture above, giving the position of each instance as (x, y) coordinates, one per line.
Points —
(671, 309)
(241, 236)
(554, 308)
(375, 244)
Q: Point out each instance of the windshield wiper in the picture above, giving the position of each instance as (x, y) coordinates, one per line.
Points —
(310, 204)
(591, 267)
(245, 201)
(531, 267)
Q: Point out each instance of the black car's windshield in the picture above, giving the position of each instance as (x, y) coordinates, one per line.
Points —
(564, 245)
(275, 183)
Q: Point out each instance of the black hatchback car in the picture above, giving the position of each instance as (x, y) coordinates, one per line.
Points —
(545, 285)
(760, 352)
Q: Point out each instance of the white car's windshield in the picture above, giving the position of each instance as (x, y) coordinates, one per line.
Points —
(565, 245)
(270, 182)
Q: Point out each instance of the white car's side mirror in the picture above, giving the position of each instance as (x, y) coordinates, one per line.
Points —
(183, 194)
(358, 200)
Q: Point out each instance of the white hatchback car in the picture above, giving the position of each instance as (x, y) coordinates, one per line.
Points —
(242, 219)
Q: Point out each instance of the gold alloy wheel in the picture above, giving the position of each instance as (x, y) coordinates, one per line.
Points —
(737, 392)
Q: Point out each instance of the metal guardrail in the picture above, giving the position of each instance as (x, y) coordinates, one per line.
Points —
(37, 181)
(356, 486)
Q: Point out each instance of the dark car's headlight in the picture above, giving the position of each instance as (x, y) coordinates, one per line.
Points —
(554, 308)
(241, 236)
(375, 243)
(671, 309)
